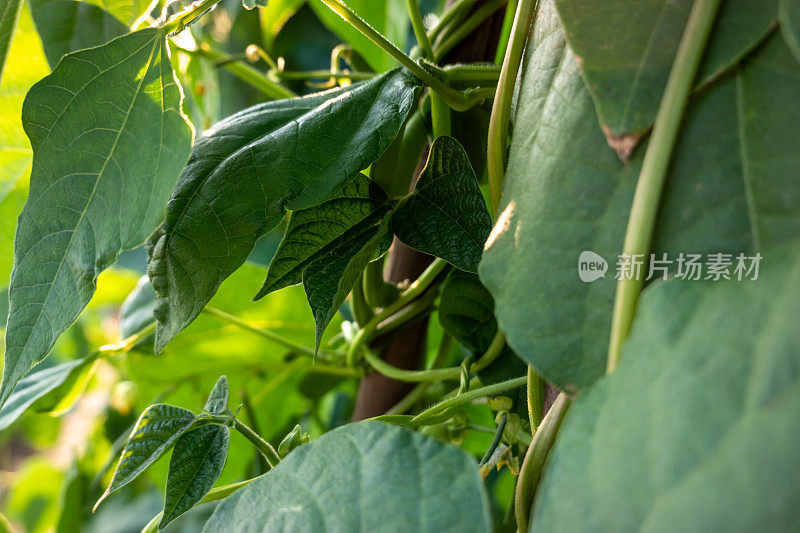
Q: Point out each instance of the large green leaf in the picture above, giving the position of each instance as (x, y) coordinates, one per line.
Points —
(367, 476)
(248, 169)
(127, 11)
(627, 57)
(697, 429)
(789, 13)
(196, 463)
(109, 141)
(69, 25)
(446, 215)
(26, 65)
(388, 17)
(314, 231)
(731, 188)
(38, 385)
(153, 435)
(9, 12)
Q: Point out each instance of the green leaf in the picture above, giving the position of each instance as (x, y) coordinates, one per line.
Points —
(626, 59)
(329, 279)
(26, 65)
(153, 435)
(367, 476)
(196, 463)
(446, 214)
(248, 169)
(273, 17)
(789, 16)
(697, 428)
(9, 13)
(69, 25)
(54, 382)
(313, 232)
(389, 18)
(127, 11)
(730, 188)
(109, 141)
(218, 398)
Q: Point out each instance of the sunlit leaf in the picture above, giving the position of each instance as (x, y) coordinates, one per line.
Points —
(368, 476)
(109, 141)
(9, 12)
(248, 169)
(218, 398)
(446, 214)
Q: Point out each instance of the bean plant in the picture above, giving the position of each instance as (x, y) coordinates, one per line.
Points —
(328, 265)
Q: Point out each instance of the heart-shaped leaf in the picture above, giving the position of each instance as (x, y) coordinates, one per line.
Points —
(248, 169)
(446, 215)
(566, 192)
(368, 476)
(153, 435)
(196, 463)
(697, 428)
(109, 141)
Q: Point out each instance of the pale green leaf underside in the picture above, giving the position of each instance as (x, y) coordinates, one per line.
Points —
(446, 215)
(136, 311)
(732, 187)
(627, 47)
(248, 169)
(196, 463)
(369, 477)
(314, 231)
(69, 25)
(697, 429)
(38, 385)
(155, 432)
(109, 141)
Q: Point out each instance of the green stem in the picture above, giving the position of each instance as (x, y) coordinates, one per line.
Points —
(501, 108)
(536, 393)
(274, 337)
(416, 289)
(419, 391)
(449, 41)
(314, 74)
(472, 73)
(261, 445)
(655, 165)
(457, 12)
(498, 436)
(244, 72)
(535, 457)
(505, 31)
(419, 28)
(180, 20)
(455, 99)
(460, 399)
(219, 493)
